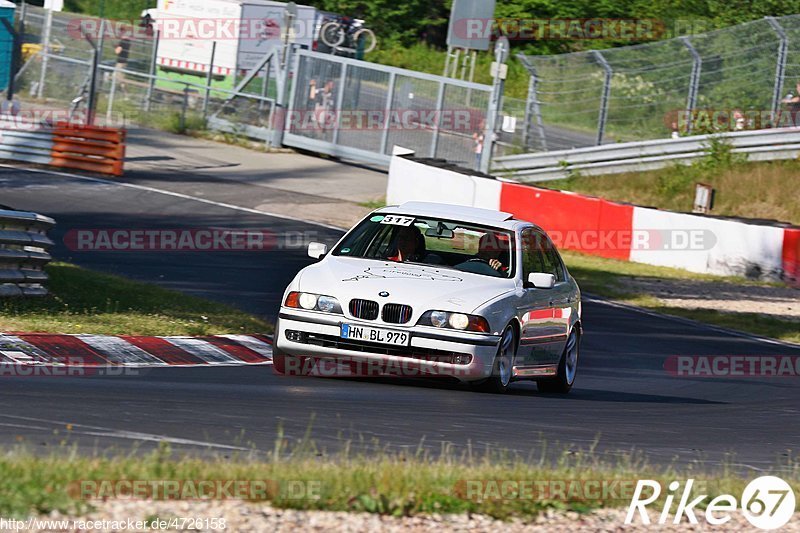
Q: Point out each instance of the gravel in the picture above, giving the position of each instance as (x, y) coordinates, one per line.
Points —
(247, 517)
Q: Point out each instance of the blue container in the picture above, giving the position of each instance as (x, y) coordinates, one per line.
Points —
(7, 10)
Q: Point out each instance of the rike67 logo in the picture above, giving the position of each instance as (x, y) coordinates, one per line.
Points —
(767, 502)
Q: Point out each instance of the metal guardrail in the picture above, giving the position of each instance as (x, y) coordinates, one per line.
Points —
(25, 142)
(760, 145)
(24, 251)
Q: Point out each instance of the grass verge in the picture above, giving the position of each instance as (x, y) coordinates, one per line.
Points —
(83, 301)
(606, 277)
(387, 483)
(751, 190)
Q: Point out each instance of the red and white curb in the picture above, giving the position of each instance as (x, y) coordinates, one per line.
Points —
(133, 351)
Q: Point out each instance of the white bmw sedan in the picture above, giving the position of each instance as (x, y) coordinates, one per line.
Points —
(426, 289)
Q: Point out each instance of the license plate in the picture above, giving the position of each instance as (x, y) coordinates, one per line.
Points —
(383, 336)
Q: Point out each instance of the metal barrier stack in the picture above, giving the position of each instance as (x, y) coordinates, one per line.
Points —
(24, 246)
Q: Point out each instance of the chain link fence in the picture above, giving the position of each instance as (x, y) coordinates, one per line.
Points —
(372, 108)
(336, 105)
(690, 84)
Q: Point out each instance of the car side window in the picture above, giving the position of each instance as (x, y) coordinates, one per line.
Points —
(550, 258)
(532, 257)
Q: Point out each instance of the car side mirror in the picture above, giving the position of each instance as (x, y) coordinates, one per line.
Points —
(317, 250)
(540, 280)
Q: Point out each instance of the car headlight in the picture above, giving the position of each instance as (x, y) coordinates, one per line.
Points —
(313, 302)
(460, 321)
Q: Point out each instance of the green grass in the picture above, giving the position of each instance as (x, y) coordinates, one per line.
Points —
(374, 204)
(752, 190)
(83, 301)
(605, 277)
(376, 481)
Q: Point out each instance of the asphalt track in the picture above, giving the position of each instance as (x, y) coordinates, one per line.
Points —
(624, 399)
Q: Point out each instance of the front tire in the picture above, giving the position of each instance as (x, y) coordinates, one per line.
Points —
(567, 367)
(502, 367)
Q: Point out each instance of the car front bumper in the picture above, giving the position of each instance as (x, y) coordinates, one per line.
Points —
(317, 336)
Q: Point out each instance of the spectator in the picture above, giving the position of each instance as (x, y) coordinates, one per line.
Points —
(478, 139)
(122, 50)
(739, 122)
(792, 102)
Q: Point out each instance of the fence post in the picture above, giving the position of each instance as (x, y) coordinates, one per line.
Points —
(501, 50)
(92, 103)
(209, 79)
(532, 109)
(601, 120)
(153, 60)
(48, 24)
(339, 101)
(387, 118)
(184, 108)
(694, 82)
(111, 94)
(282, 80)
(780, 67)
(438, 118)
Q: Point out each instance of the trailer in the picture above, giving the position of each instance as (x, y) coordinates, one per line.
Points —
(244, 32)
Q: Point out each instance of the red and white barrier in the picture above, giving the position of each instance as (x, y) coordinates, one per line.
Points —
(45, 349)
(611, 229)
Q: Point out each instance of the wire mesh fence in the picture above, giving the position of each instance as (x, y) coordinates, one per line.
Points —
(732, 78)
(348, 106)
(366, 107)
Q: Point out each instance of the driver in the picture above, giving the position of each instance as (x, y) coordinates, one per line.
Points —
(409, 245)
(493, 249)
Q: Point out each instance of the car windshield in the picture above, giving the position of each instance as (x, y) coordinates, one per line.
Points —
(429, 241)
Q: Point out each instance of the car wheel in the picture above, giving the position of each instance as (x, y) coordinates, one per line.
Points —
(567, 367)
(503, 365)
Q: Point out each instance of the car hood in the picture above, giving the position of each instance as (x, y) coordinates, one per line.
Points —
(424, 288)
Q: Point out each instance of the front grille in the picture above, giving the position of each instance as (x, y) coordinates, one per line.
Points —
(364, 309)
(396, 313)
(425, 354)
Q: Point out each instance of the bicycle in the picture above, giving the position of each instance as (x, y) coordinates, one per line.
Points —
(345, 34)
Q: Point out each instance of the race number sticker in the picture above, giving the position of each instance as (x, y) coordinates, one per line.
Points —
(397, 220)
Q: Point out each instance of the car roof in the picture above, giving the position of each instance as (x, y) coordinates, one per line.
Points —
(475, 215)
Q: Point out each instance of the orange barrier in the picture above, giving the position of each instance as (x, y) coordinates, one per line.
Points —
(91, 148)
